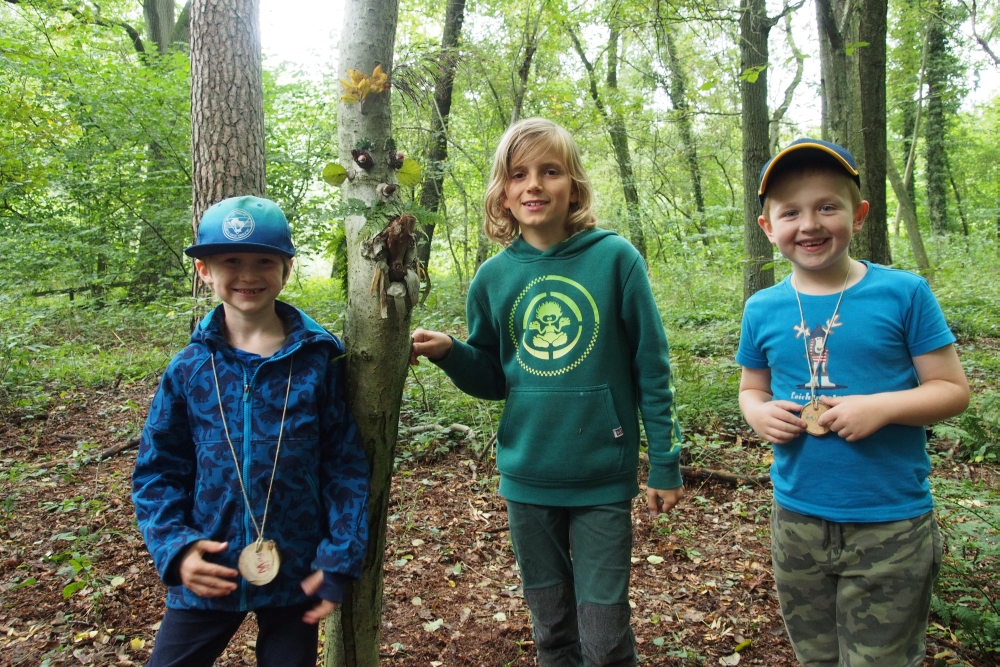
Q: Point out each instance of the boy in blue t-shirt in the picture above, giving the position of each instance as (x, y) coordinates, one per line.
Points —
(251, 484)
(844, 363)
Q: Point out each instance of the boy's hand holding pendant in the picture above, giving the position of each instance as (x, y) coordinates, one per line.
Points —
(209, 580)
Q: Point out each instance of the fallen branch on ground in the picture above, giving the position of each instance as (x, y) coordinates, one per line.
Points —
(736, 479)
(106, 453)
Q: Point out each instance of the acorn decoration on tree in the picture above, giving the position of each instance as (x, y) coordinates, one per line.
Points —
(363, 158)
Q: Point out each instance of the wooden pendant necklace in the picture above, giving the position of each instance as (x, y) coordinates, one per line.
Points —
(814, 410)
(259, 562)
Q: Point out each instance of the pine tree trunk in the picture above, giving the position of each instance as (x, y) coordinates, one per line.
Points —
(227, 102)
(378, 348)
(432, 191)
(754, 29)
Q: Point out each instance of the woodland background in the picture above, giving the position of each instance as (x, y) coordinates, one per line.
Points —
(675, 107)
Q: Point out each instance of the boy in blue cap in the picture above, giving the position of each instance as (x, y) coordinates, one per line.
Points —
(844, 363)
(251, 484)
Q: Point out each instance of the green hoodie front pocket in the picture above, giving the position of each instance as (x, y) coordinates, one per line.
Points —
(560, 435)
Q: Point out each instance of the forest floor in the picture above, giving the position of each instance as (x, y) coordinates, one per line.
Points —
(77, 585)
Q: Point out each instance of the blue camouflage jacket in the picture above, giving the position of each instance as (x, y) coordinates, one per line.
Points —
(185, 486)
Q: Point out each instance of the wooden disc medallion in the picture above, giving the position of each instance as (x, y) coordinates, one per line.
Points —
(259, 562)
(811, 414)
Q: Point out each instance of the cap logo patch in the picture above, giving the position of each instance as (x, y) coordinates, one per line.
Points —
(238, 225)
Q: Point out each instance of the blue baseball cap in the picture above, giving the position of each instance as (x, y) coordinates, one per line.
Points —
(801, 146)
(243, 224)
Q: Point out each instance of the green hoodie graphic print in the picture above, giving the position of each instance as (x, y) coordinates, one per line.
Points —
(572, 339)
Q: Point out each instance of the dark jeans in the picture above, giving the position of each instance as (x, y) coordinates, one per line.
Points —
(195, 638)
(575, 564)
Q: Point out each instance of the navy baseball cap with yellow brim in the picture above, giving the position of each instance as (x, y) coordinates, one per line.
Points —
(799, 148)
(243, 224)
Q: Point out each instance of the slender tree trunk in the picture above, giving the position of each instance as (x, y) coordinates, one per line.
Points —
(377, 346)
(159, 16)
(677, 91)
(432, 191)
(909, 214)
(754, 29)
(619, 141)
(156, 256)
(779, 113)
(227, 104)
(872, 243)
(832, 19)
(614, 122)
(935, 156)
(531, 38)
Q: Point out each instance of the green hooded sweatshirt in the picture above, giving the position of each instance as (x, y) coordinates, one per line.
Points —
(572, 339)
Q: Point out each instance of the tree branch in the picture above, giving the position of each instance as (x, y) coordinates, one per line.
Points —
(133, 34)
(800, 59)
(591, 75)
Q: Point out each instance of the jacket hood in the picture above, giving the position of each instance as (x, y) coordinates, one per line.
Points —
(302, 329)
(523, 251)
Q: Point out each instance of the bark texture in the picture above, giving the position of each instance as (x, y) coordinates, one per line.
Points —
(227, 103)
(872, 242)
(853, 69)
(432, 191)
(754, 29)
(159, 17)
(936, 159)
(377, 348)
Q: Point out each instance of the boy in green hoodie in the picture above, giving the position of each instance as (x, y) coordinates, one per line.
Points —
(563, 325)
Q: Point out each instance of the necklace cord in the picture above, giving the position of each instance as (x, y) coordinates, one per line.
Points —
(274, 470)
(814, 368)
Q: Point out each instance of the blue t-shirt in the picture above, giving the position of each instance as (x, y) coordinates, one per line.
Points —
(885, 320)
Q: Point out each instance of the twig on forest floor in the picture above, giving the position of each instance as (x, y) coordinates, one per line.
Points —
(423, 392)
(105, 454)
(736, 479)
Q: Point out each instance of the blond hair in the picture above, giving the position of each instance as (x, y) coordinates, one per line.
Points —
(527, 136)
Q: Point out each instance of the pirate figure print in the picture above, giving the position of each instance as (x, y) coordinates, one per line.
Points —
(818, 353)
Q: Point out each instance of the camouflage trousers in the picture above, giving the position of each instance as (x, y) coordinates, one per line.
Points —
(855, 594)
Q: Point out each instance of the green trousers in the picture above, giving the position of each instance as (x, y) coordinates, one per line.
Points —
(575, 564)
(855, 594)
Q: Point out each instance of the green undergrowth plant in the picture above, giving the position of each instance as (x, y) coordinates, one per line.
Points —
(977, 430)
(966, 596)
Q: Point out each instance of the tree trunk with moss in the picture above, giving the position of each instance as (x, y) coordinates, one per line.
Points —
(432, 191)
(755, 26)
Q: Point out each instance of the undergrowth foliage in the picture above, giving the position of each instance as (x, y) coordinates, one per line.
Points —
(966, 596)
(52, 347)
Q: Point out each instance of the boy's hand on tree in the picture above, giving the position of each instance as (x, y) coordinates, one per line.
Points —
(431, 344)
(853, 417)
(776, 421)
(205, 579)
(662, 500)
(311, 585)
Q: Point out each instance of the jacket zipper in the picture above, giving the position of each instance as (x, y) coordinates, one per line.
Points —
(248, 453)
